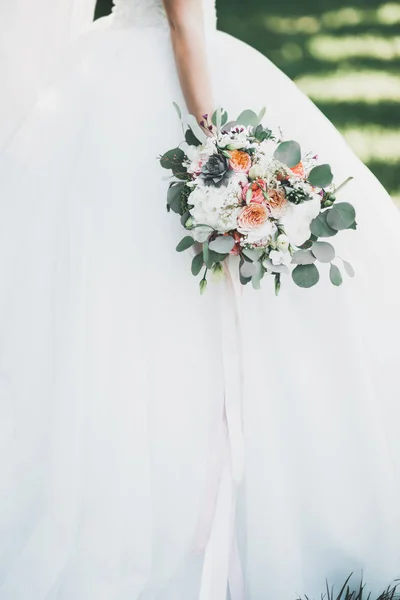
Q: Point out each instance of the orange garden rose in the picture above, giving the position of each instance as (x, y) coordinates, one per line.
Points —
(277, 201)
(252, 216)
(257, 187)
(299, 170)
(240, 161)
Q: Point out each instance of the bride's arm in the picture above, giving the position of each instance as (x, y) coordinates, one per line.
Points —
(188, 40)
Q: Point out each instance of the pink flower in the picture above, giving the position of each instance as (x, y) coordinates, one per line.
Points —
(257, 188)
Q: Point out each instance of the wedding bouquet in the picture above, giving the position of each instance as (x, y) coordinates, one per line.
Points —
(241, 189)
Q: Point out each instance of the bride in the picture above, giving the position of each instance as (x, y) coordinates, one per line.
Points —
(121, 423)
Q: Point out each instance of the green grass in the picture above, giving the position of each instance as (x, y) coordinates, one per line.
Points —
(345, 54)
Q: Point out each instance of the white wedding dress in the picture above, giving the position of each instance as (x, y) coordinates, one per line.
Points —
(117, 479)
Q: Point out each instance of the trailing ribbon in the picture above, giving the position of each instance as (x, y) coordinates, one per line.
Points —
(216, 528)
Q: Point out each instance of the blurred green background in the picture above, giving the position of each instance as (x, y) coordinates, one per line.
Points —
(345, 54)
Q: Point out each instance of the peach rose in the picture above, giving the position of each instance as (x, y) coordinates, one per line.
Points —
(240, 161)
(257, 188)
(299, 170)
(277, 202)
(252, 216)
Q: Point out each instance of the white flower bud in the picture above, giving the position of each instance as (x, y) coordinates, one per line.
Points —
(283, 242)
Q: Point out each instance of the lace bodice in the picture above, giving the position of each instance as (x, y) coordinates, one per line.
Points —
(150, 13)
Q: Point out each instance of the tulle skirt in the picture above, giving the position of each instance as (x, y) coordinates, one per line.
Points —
(112, 380)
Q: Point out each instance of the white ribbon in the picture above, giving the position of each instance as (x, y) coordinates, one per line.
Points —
(216, 528)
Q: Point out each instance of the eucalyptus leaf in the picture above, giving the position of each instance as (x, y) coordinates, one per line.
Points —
(178, 110)
(261, 114)
(256, 280)
(253, 253)
(197, 264)
(288, 153)
(222, 244)
(197, 130)
(348, 268)
(335, 275)
(216, 118)
(323, 251)
(206, 255)
(185, 243)
(172, 159)
(270, 267)
(219, 118)
(174, 197)
(248, 117)
(341, 216)
(191, 139)
(305, 276)
(250, 269)
(186, 219)
(216, 257)
(320, 176)
(319, 226)
(202, 233)
(303, 257)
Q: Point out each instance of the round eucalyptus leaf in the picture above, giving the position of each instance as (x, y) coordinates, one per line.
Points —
(253, 253)
(303, 257)
(319, 226)
(197, 263)
(247, 117)
(323, 251)
(172, 159)
(320, 176)
(201, 233)
(335, 275)
(341, 216)
(185, 243)
(222, 244)
(216, 257)
(250, 269)
(288, 153)
(348, 268)
(305, 276)
(174, 197)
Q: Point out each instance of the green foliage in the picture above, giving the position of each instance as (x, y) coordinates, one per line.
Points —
(305, 276)
(341, 216)
(320, 228)
(357, 591)
(288, 153)
(321, 176)
(185, 243)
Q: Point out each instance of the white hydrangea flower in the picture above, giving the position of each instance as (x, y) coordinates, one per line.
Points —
(298, 217)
